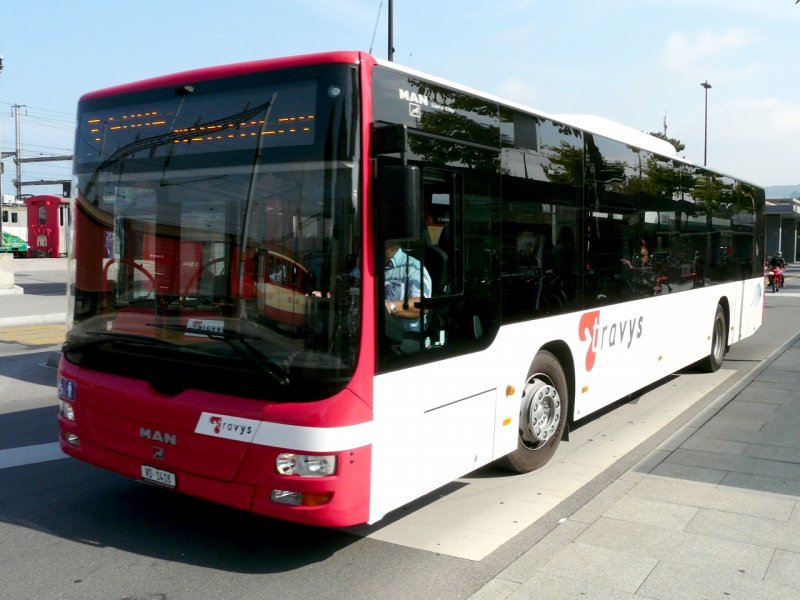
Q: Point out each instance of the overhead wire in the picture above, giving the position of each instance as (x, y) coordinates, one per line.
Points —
(41, 121)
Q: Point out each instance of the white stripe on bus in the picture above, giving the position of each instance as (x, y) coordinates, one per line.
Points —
(291, 437)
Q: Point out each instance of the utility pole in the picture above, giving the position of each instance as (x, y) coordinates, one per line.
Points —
(18, 149)
(18, 183)
(391, 31)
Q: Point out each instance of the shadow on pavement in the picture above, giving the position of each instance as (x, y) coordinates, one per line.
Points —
(30, 367)
(101, 509)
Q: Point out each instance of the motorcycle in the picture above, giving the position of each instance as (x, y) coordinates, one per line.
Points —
(775, 278)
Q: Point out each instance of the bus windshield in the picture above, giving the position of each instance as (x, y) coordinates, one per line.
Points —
(217, 241)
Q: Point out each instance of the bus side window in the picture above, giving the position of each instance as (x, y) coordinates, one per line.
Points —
(439, 197)
(457, 250)
(463, 228)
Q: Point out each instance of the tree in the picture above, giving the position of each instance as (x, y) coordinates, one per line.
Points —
(679, 145)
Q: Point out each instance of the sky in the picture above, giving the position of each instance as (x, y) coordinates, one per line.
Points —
(637, 62)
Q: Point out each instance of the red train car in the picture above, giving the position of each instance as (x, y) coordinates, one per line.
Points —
(48, 225)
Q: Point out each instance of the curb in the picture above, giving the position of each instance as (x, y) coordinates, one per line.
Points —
(51, 319)
(14, 290)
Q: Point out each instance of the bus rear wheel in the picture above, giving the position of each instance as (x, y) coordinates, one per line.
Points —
(719, 343)
(544, 409)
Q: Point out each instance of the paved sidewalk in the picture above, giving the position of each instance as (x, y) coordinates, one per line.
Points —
(43, 298)
(711, 513)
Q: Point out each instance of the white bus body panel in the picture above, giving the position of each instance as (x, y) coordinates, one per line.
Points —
(434, 423)
(438, 421)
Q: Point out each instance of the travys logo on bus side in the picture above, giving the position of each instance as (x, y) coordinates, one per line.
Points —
(601, 336)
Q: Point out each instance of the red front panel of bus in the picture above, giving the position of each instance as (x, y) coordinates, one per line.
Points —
(123, 425)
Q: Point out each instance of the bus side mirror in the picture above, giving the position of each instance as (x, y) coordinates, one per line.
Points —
(398, 202)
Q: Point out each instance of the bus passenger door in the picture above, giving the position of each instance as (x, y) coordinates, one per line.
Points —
(434, 395)
(440, 256)
(457, 250)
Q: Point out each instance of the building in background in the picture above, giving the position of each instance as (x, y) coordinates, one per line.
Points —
(782, 215)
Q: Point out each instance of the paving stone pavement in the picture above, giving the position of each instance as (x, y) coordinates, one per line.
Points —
(712, 513)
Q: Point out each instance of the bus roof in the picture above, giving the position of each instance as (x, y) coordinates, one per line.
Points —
(221, 71)
(624, 133)
(589, 123)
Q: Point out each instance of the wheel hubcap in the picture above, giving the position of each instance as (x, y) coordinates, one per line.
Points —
(718, 349)
(541, 412)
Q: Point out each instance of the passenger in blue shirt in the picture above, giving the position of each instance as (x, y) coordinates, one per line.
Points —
(404, 287)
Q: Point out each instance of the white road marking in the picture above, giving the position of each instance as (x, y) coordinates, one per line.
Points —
(28, 455)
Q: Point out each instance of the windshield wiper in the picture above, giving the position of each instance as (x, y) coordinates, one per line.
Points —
(238, 342)
(104, 337)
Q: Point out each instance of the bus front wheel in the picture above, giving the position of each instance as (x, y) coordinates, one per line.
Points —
(544, 409)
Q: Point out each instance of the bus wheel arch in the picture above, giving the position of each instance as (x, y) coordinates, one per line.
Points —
(545, 409)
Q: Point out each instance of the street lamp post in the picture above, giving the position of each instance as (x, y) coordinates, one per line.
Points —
(707, 87)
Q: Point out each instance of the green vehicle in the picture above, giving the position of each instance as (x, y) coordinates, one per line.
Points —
(15, 244)
(15, 229)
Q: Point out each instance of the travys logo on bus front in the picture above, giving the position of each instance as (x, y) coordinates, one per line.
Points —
(602, 336)
(228, 427)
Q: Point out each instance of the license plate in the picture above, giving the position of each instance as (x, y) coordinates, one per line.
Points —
(158, 476)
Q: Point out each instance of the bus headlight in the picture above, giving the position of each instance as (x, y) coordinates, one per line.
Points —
(306, 465)
(67, 411)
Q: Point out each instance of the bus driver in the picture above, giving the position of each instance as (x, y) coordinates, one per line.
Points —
(402, 291)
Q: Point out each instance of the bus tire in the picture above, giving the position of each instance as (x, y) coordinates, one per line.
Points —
(544, 409)
(719, 343)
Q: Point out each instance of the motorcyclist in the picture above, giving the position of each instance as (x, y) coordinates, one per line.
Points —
(777, 261)
(777, 264)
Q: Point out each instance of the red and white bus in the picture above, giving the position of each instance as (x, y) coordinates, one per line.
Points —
(571, 264)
